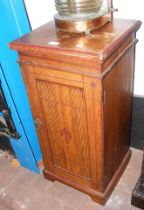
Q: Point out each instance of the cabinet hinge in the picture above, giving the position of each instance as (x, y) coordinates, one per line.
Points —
(105, 179)
(104, 97)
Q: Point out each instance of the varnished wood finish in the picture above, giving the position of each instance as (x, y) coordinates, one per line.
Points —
(81, 92)
(118, 87)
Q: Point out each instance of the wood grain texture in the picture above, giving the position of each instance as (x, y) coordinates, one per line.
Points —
(65, 118)
(93, 95)
(83, 97)
(118, 86)
(77, 49)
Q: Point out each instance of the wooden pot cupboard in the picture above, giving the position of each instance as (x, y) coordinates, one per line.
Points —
(80, 89)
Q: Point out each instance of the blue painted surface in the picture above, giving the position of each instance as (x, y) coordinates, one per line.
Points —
(13, 24)
(21, 147)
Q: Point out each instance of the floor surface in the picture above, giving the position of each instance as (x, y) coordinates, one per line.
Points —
(21, 189)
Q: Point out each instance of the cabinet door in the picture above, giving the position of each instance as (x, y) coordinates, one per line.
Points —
(60, 105)
(65, 119)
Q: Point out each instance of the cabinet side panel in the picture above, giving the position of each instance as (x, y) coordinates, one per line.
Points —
(118, 85)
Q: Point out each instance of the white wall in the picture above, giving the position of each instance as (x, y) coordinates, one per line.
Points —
(134, 9)
(42, 11)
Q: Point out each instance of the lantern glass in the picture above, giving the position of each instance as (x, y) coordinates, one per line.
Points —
(77, 10)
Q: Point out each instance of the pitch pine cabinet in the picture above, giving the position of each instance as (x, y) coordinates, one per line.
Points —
(80, 89)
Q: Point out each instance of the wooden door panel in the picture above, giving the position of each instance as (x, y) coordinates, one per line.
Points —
(82, 141)
(66, 121)
(53, 120)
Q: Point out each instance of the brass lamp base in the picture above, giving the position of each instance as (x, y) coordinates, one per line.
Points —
(81, 26)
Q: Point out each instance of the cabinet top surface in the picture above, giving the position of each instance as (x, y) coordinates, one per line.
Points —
(100, 42)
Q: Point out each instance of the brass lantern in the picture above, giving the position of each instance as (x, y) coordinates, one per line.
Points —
(78, 16)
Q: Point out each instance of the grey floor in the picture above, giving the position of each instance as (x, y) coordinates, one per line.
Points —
(21, 189)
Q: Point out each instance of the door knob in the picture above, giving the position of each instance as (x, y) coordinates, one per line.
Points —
(38, 123)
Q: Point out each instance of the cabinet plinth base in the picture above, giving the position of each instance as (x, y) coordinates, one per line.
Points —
(95, 195)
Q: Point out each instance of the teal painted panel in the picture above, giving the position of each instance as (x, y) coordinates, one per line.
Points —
(14, 23)
(21, 147)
